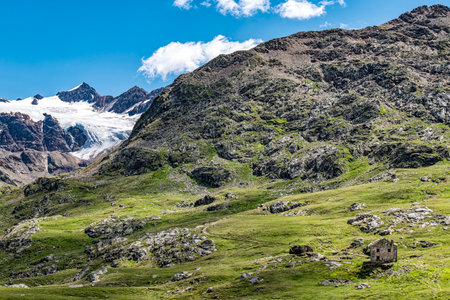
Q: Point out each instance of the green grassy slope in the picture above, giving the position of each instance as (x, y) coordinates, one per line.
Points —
(248, 239)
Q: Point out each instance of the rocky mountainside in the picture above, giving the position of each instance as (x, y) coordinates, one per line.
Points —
(306, 106)
(32, 149)
(65, 131)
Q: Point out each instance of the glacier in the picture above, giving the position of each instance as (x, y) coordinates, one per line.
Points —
(105, 130)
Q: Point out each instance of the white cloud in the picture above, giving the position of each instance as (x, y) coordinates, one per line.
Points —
(325, 25)
(292, 9)
(186, 4)
(177, 58)
(243, 7)
(343, 26)
(300, 9)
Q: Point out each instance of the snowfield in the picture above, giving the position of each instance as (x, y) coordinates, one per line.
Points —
(104, 129)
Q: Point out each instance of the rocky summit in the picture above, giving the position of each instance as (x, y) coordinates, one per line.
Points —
(313, 166)
(307, 106)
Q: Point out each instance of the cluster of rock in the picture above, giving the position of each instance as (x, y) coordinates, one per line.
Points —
(357, 242)
(385, 176)
(114, 226)
(19, 238)
(206, 200)
(220, 206)
(279, 206)
(415, 216)
(177, 245)
(181, 276)
(95, 276)
(41, 269)
(422, 217)
(366, 222)
(435, 180)
(164, 248)
(211, 176)
(308, 252)
(336, 282)
(300, 212)
(356, 206)
(49, 204)
(43, 185)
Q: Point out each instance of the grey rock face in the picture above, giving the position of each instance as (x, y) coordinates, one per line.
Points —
(246, 275)
(18, 286)
(43, 185)
(181, 276)
(135, 161)
(362, 285)
(356, 206)
(178, 245)
(164, 248)
(83, 93)
(204, 201)
(221, 206)
(279, 206)
(358, 242)
(312, 257)
(366, 222)
(423, 244)
(212, 176)
(336, 282)
(95, 276)
(114, 226)
(39, 270)
(300, 250)
(19, 238)
(256, 280)
(82, 273)
(332, 265)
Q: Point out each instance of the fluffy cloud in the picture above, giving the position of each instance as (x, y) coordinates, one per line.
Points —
(243, 7)
(177, 58)
(186, 4)
(292, 9)
(236, 8)
(300, 9)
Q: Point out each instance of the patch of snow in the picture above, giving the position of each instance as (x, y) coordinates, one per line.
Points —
(104, 129)
(75, 88)
(136, 105)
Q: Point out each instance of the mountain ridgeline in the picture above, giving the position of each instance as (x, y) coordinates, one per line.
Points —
(307, 106)
(32, 148)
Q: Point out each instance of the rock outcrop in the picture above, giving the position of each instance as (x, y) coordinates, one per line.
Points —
(20, 237)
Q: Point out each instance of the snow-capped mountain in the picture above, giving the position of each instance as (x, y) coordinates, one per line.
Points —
(78, 122)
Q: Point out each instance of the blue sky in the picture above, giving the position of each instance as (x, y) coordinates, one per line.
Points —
(48, 46)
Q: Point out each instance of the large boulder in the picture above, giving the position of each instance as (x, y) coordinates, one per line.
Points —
(212, 176)
(300, 250)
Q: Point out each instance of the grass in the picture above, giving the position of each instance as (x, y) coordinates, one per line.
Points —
(248, 239)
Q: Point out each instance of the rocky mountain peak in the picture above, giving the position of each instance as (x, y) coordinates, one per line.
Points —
(423, 14)
(83, 92)
(294, 106)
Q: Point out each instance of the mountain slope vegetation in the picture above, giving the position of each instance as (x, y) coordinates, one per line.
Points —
(330, 140)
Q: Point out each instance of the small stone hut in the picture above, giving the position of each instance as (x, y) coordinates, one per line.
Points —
(383, 251)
